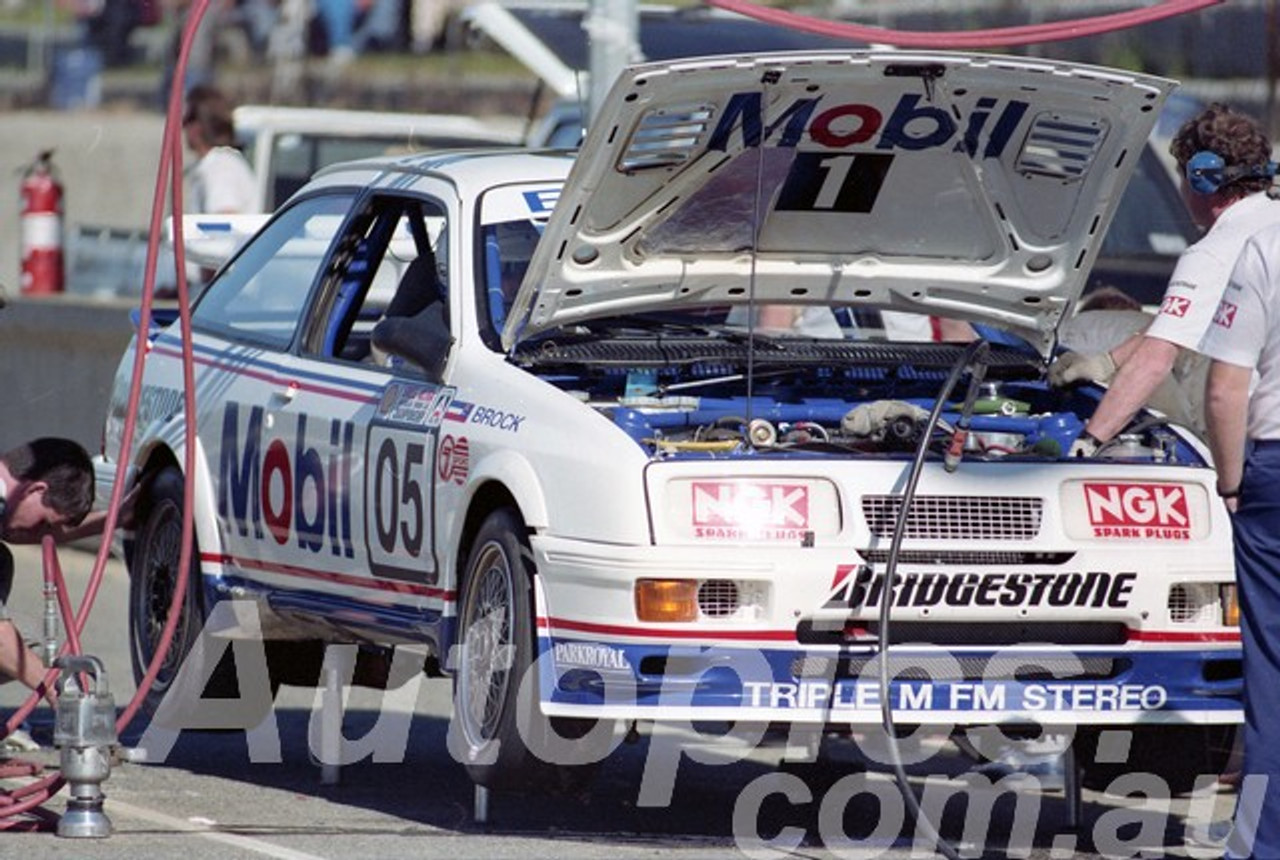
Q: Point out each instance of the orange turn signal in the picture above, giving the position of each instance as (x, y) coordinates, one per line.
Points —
(667, 600)
(1230, 605)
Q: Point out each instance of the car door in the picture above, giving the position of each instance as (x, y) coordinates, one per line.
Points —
(365, 420)
(244, 327)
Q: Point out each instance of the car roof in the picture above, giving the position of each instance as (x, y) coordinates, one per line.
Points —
(471, 172)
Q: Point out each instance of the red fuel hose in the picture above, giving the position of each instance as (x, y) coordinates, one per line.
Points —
(1002, 37)
(27, 799)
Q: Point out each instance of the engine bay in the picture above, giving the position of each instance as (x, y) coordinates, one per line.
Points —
(731, 396)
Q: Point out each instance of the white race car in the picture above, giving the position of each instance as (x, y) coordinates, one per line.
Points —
(628, 425)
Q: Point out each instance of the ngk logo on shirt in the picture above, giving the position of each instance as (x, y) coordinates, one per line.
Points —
(1123, 510)
(1225, 315)
(1175, 306)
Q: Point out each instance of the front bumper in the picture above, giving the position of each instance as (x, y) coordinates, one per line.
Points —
(595, 660)
(618, 680)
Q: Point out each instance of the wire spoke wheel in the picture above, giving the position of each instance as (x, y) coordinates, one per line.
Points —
(158, 572)
(501, 732)
(153, 578)
(488, 647)
(496, 652)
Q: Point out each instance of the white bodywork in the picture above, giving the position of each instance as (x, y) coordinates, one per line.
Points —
(342, 494)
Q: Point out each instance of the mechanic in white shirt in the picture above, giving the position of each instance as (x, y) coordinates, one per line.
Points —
(221, 180)
(1244, 437)
(1224, 159)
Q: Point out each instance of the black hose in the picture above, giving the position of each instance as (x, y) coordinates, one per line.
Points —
(967, 358)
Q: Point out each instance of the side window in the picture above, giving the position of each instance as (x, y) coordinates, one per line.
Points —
(512, 218)
(261, 294)
(385, 302)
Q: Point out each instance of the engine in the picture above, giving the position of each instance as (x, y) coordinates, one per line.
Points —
(1003, 424)
(705, 397)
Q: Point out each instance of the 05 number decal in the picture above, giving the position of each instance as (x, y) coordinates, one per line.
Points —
(398, 503)
(391, 527)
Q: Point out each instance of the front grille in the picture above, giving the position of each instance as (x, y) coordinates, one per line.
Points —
(1193, 603)
(959, 668)
(866, 360)
(956, 517)
(966, 557)
(718, 598)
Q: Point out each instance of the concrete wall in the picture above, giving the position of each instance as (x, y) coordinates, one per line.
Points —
(58, 357)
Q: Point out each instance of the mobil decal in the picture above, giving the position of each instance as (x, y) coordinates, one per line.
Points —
(1133, 510)
(295, 489)
(731, 509)
(908, 125)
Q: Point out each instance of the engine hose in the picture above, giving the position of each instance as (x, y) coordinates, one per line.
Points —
(967, 358)
(26, 800)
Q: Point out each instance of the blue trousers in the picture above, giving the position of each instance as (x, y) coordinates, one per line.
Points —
(1257, 557)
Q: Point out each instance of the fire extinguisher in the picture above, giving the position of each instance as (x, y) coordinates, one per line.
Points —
(41, 219)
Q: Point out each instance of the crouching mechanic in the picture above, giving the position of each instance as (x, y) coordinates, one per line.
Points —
(46, 488)
(1223, 157)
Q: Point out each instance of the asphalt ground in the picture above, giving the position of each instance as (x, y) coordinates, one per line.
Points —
(252, 795)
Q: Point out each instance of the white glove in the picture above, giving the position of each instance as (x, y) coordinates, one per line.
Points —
(872, 418)
(1078, 367)
(1084, 446)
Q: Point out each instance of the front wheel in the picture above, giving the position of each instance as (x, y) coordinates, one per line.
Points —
(153, 578)
(503, 738)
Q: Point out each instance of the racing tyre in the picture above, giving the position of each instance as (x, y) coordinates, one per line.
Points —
(153, 576)
(500, 730)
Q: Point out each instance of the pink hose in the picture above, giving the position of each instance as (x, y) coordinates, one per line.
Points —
(1002, 37)
(27, 799)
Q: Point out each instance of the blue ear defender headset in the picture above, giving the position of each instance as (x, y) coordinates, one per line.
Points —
(1207, 172)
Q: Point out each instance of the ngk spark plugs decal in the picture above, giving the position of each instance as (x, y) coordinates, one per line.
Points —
(1133, 511)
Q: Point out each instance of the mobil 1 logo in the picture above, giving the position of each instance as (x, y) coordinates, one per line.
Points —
(398, 501)
(820, 181)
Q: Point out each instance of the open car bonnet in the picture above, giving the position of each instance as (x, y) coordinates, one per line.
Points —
(966, 186)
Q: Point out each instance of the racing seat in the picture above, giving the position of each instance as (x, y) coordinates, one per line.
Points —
(415, 326)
